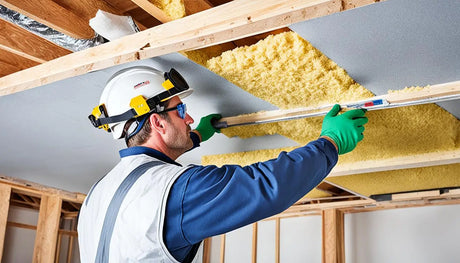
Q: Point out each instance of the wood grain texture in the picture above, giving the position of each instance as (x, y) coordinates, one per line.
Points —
(5, 193)
(44, 11)
(234, 20)
(47, 228)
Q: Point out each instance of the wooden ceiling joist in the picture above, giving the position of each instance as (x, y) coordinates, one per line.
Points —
(33, 191)
(397, 163)
(21, 42)
(11, 62)
(196, 6)
(210, 27)
(153, 10)
(53, 15)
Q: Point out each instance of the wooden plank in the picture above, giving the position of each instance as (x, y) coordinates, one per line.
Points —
(58, 248)
(254, 242)
(15, 61)
(207, 243)
(333, 236)
(153, 10)
(395, 99)
(330, 205)
(415, 195)
(397, 163)
(277, 239)
(6, 68)
(21, 42)
(5, 193)
(235, 20)
(47, 228)
(71, 239)
(222, 248)
(45, 12)
(33, 189)
(439, 90)
(346, 190)
(196, 6)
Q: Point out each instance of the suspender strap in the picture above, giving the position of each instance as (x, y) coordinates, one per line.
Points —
(114, 206)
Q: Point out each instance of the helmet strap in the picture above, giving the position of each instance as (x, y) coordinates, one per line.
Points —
(140, 123)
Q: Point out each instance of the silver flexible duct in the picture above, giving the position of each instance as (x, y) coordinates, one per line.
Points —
(48, 33)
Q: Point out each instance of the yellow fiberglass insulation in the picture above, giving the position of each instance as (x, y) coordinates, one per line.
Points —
(289, 72)
(175, 9)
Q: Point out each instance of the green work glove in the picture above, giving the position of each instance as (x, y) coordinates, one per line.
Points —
(205, 127)
(346, 129)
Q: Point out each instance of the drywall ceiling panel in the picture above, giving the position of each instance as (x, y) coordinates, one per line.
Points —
(47, 137)
(393, 44)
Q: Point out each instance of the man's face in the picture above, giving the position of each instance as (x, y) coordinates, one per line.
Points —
(178, 136)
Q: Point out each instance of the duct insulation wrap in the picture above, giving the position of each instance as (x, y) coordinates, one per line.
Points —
(48, 33)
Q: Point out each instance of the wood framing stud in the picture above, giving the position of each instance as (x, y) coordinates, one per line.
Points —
(47, 228)
(213, 26)
(222, 248)
(254, 242)
(5, 193)
(333, 236)
(44, 11)
(207, 243)
(277, 240)
(153, 10)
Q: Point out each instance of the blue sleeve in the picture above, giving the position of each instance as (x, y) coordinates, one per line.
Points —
(208, 200)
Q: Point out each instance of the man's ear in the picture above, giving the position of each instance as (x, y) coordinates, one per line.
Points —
(157, 123)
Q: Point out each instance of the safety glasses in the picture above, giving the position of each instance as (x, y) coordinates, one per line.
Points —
(174, 84)
(181, 110)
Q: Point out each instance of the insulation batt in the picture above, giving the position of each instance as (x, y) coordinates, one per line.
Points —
(175, 9)
(289, 72)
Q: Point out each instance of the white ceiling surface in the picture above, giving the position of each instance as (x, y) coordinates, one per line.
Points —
(47, 138)
(393, 44)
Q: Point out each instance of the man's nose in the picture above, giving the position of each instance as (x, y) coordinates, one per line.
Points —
(188, 119)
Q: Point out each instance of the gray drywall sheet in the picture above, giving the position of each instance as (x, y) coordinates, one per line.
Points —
(393, 44)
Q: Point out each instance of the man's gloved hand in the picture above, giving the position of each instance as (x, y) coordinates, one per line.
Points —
(205, 127)
(346, 129)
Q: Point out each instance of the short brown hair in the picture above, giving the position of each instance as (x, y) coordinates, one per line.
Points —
(144, 134)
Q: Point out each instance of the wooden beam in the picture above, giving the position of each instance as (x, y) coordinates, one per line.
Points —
(396, 99)
(196, 6)
(71, 239)
(5, 193)
(333, 250)
(346, 191)
(277, 239)
(254, 242)
(47, 228)
(222, 248)
(7, 68)
(153, 10)
(33, 189)
(207, 244)
(397, 163)
(53, 15)
(21, 42)
(235, 20)
(13, 61)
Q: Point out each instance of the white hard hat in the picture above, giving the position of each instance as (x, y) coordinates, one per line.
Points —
(133, 92)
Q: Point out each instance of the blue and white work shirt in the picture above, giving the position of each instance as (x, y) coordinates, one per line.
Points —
(202, 201)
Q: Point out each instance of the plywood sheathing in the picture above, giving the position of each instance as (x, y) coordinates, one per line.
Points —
(289, 72)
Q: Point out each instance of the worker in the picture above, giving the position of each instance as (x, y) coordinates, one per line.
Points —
(149, 208)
